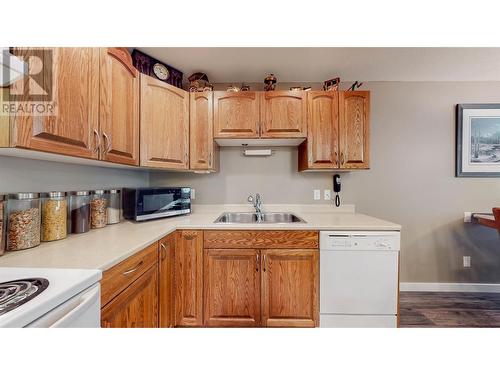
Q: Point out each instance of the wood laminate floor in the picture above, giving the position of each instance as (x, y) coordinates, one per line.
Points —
(426, 309)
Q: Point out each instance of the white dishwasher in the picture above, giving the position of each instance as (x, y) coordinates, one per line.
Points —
(359, 278)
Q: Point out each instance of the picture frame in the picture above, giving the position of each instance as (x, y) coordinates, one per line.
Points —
(477, 140)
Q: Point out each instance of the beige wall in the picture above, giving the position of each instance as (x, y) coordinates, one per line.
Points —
(18, 174)
(411, 181)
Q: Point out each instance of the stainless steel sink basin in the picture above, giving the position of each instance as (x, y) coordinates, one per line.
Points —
(251, 218)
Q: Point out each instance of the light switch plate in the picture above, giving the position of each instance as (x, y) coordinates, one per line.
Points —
(466, 261)
(467, 217)
(327, 195)
(317, 194)
(193, 194)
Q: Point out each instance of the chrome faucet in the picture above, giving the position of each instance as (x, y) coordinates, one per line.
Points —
(257, 203)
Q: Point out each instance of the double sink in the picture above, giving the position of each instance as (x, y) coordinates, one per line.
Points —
(263, 218)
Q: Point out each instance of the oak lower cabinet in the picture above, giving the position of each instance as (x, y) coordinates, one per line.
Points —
(290, 283)
(166, 260)
(164, 125)
(189, 278)
(231, 288)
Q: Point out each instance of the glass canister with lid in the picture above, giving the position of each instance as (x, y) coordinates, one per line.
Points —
(23, 221)
(98, 207)
(54, 216)
(80, 211)
(3, 222)
(114, 206)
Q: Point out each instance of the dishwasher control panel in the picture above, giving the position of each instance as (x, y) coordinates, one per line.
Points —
(357, 240)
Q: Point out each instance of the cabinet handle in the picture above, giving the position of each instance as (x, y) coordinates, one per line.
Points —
(342, 160)
(335, 157)
(210, 159)
(164, 251)
(97, 140)
(264, 263)
(132, 270)
(257, 261)
(107, 143)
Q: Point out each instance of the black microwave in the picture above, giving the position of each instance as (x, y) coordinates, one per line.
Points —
(142, 204)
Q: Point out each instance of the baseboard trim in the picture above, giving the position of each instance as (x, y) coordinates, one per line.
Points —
(449, 287)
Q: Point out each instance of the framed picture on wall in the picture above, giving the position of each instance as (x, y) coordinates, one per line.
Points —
(478, 140)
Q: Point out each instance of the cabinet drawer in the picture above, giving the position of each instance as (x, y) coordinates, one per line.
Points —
(123, 274)
(261, 239)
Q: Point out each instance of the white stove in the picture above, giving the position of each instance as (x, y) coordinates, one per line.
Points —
(48, 297)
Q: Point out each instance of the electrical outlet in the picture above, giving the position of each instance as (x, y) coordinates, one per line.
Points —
(467, 217)
(317, 194)
(193, 194)
(466, 260)
(327, 195)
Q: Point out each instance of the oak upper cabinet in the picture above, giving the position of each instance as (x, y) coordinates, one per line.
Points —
(283, 114)
(290, 281)
(204, 152)
(189, 278)
(320, 150)
(232, 288)
(136, 306)
(164, 125)
(236, 114)
(354, 110)
(73, 129)
(119, 107)
(166, 260)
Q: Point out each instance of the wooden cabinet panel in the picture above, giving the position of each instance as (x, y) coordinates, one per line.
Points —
(354, 129)
(261, 239)
(74, 129)
(203, 150)
(320, 150)
(119, 277)
(232, 288)
(136, 306)
(236, 114)
(189, 279)
(166, 260)
(290, 288)
(283, 114)
(164, 125)
(119, 107)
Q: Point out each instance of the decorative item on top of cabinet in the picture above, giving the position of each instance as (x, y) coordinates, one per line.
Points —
(204, 152)
(119, 107)
(283, 114)
(270, 82)
(231, 287)
(152, 67)
(166, 260)
(198, 82)
(320, 150)
(332, 84)
(189, 278)
(354, 129)
(164, 125)
(236, 114)
(74, 129)
(290, 287)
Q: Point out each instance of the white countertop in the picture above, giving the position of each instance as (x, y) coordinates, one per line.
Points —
(106, 247)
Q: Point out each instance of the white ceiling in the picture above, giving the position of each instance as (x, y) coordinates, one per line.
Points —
(319, 64)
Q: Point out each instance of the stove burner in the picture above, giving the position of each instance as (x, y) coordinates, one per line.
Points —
(17, 292)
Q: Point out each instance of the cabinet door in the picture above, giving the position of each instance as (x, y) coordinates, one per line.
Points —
(164, 125)
(189, 279)
(166, 280)
(290, 288)
(203, 150)
(136, 306)
(232, 288)
(236, 114)
(119, 107)
(283, 114)
(354, 129)
(73, 130)
(320, 150)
